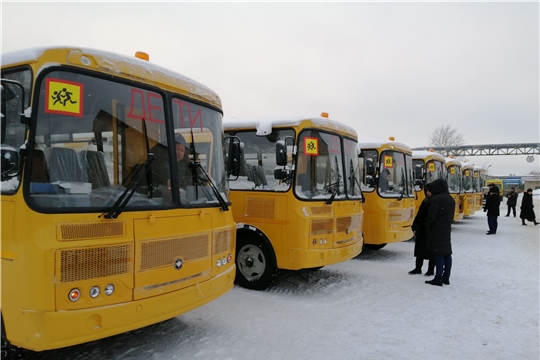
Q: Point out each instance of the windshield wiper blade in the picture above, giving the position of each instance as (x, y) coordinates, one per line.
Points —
(206, 178)
(123, 200)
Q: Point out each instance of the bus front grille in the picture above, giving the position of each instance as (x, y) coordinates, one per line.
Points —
(95, 262)
(223, 241)
(161, 253)
(90, 230)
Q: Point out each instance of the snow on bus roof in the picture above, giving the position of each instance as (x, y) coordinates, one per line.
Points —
(452, 161)
(264, 125)
(129, 65)
(376, 144)
(424, 154)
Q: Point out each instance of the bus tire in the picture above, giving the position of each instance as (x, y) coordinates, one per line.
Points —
(374, 246)
(8, 351)
(256, 267)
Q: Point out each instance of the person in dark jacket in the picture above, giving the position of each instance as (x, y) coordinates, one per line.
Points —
(438, 230)
(419, 228)
(493, 202)
(511, 201)
(527, 212)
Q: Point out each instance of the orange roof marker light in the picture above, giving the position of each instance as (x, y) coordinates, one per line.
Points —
(391, 138)
(324, 115)
(142, 55)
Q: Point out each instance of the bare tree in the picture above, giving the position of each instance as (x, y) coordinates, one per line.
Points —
(446, 135)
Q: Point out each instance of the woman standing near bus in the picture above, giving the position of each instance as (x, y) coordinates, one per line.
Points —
(527, 212)
(420, 237)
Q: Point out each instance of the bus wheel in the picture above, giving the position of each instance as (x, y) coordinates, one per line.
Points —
(9, 351)
(255, 265)
(374, 246)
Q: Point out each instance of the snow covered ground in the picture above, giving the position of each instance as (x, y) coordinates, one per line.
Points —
(365, 308)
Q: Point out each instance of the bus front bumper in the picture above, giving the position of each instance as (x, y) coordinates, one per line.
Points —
(51, 330)
(313, 258)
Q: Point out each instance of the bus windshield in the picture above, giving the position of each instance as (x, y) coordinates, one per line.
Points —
(320, 167)
(98, 140)
(434, 171)
(395, 174)
(468, 180)
(454, 179)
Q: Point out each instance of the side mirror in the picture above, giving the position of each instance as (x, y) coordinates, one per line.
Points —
(418, 173)
(234, 156)
(281, 153)
(10, 162)
(281, 173)
(12, 103)
(369, 167)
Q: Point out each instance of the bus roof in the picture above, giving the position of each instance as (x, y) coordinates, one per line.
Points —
(452, 161)
(383, 145)
(426, 155)
(129, 67)
(264, 125)
(467, 165)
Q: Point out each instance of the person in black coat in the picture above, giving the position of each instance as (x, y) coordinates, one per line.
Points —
(419, 228)
(438, 229)
(527, 212)
(512, 201)
(493, 202)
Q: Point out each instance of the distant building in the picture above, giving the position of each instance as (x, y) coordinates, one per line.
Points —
(531, 181)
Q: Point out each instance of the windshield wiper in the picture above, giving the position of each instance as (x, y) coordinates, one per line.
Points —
(197, 180)
(131, 186)
(205, 177)
(335, 191)
(402, 186)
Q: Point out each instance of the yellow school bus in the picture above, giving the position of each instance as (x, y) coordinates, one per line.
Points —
(98, 235)
(478, 186)
(468, 197)
(297, 200)
(498, 183)
(453, 173)
(387, 184)
(428, 167)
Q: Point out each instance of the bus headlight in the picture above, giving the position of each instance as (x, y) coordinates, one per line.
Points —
(109, 289)
(94, 292)
(74, 295)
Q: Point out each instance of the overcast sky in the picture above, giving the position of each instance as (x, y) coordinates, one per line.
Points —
(387, 69)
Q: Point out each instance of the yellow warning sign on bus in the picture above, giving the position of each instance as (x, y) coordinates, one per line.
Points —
(388, 162)
(311, 146)
(431, 167)
(64, 97)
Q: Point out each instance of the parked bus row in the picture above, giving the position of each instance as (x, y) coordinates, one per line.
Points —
(127, 199)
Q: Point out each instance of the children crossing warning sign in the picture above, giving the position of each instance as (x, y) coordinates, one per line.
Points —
(311, 146)
(64, 97)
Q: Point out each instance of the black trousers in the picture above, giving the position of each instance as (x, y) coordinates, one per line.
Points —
(513, 208)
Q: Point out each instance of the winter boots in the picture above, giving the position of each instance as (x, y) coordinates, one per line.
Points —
(435, 282)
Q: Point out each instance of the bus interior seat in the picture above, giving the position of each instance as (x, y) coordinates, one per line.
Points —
(64, 165)
(256, 174)
(303, 182)
(93, 164)
(40, 173)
